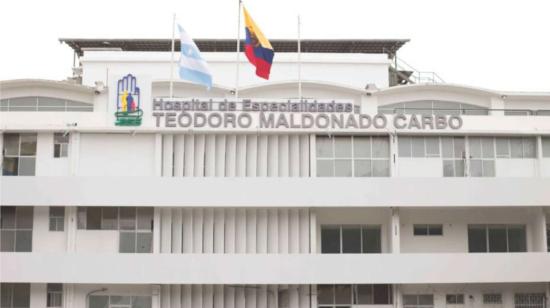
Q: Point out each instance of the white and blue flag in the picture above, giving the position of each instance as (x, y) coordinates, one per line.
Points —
(192, 66)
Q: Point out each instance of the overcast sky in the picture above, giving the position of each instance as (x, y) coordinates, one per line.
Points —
(501, 45)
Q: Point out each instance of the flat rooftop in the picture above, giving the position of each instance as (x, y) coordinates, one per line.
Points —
(372, 46)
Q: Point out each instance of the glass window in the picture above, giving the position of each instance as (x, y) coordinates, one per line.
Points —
(57, 218)
(325, 294)
(145, 218)
(127, 242)
(351, 239)
(144, 242)
(330, 239)
(404, 146)
(420, 230)
(55, 295)
(455, 299)
(19, 155)
(545, 147)
(492, 298)
(497, 238)
(16, 228)
(93, 218)
(382, 294)
(418, 300)
(342, 294)
(372, 239)
(60, 145)
(99, 301)
(141, 301)
(432, 146)
(352, 156)
(488, 147)
(15, 295)
(109, 218)
(418, 149)
(477, 238)
(127, 218)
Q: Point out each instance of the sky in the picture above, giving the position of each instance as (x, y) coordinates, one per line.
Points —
(501, 45)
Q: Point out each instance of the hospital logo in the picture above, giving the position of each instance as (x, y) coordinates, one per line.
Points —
(128, 105)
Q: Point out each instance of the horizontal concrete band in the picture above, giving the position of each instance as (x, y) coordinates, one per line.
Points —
(273, 192)
(274, 269)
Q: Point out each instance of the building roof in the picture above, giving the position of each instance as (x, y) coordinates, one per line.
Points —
(388, 46)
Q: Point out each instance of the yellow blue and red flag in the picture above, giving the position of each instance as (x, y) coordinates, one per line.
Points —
(258, 49)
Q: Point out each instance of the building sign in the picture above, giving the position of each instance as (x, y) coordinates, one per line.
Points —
(128, 102)
(276, 114)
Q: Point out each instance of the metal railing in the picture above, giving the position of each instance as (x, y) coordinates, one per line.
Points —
(409, 73)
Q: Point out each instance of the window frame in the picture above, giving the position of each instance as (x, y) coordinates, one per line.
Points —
(507, 227)
(19, 156)
(51, 293)
(362, 228)
(492, 298)
(18, 230)
(57, 221)
(63, 145)
(428, 228)
(354, 295)
(373, 160)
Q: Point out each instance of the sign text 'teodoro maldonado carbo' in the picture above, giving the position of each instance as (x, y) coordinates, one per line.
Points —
(277, 114)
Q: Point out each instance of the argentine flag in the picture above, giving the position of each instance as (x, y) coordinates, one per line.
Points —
(192, 66)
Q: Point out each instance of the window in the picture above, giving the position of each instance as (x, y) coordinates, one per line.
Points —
(364, 294)
(16, 228)
(135, 225)
(115, 301)
(545, 147)
(496, 238)
(39, 103)
(55, 295)
(351, 239)
(60, 145)
(530, 300)
(57, 218)
(518, 147)
(455, 299)
(454, 153)
(15, 295)
(433, 108)
(418, 301)
(418, 146)
(420, 230)
(482, 156)
(19, 154)
(492, 299)
(353, 156)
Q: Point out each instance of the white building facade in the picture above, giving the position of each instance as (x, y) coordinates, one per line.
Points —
(360, 193)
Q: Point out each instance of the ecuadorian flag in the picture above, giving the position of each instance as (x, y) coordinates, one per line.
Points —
(258, 50)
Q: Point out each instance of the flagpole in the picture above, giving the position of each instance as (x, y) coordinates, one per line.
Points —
(238, 52)
(299, 60)
(172, 56)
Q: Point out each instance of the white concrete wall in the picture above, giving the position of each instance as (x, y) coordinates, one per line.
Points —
(419, 167)
(116, 154)
(97, 241)
(455, 223)
(46, 164)
(515, 167)
(545, 167)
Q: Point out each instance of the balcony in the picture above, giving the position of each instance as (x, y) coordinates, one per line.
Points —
(274, 269)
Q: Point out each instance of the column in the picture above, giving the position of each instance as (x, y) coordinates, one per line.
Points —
(179, 155)
(155, 294)
(187, 229)
(166, 230)
(251, 155)
(395, 231)
(177, 230)
(156, 229)
(167, 155)
(283, 156)
(210, 156)
(158, 155)
(71, 223)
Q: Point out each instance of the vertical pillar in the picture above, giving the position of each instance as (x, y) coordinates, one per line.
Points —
(240, 234)
(208, 296)
(229, 297)
(208, 231)
(240, 300)
(312, 232)
(218, 296)
(196, 297)
(165, 296)
(262, 155)
(313, 295)
(293, 296)
(177, 230)
(74, 152)
(394, 167)
(179, 155)
(304, 296)
(283, 230)
(273, 156)
(538, 165)
(273, 231)
(68, 295)
(71, 223)
(304, 230)
(197, 231)
(261, 229)
(231, 155)
(175, 294)
(219, 232)
(251, 155)
(230, 230)
(158, 155)
(294, 158)
(304, 156)
(241, 156)
(395, 231)
(166, 230)
(167, 155)
(294, 231)
(189, 155)
(186, 296)
(199, 155)
(210, 156)
(187, 229)
(261, 298)
(283, 156)
(312, 156)
(156, 229)
(250, 297)
(251, 230)
(272, 296)
(220, 155)
(155, 294)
